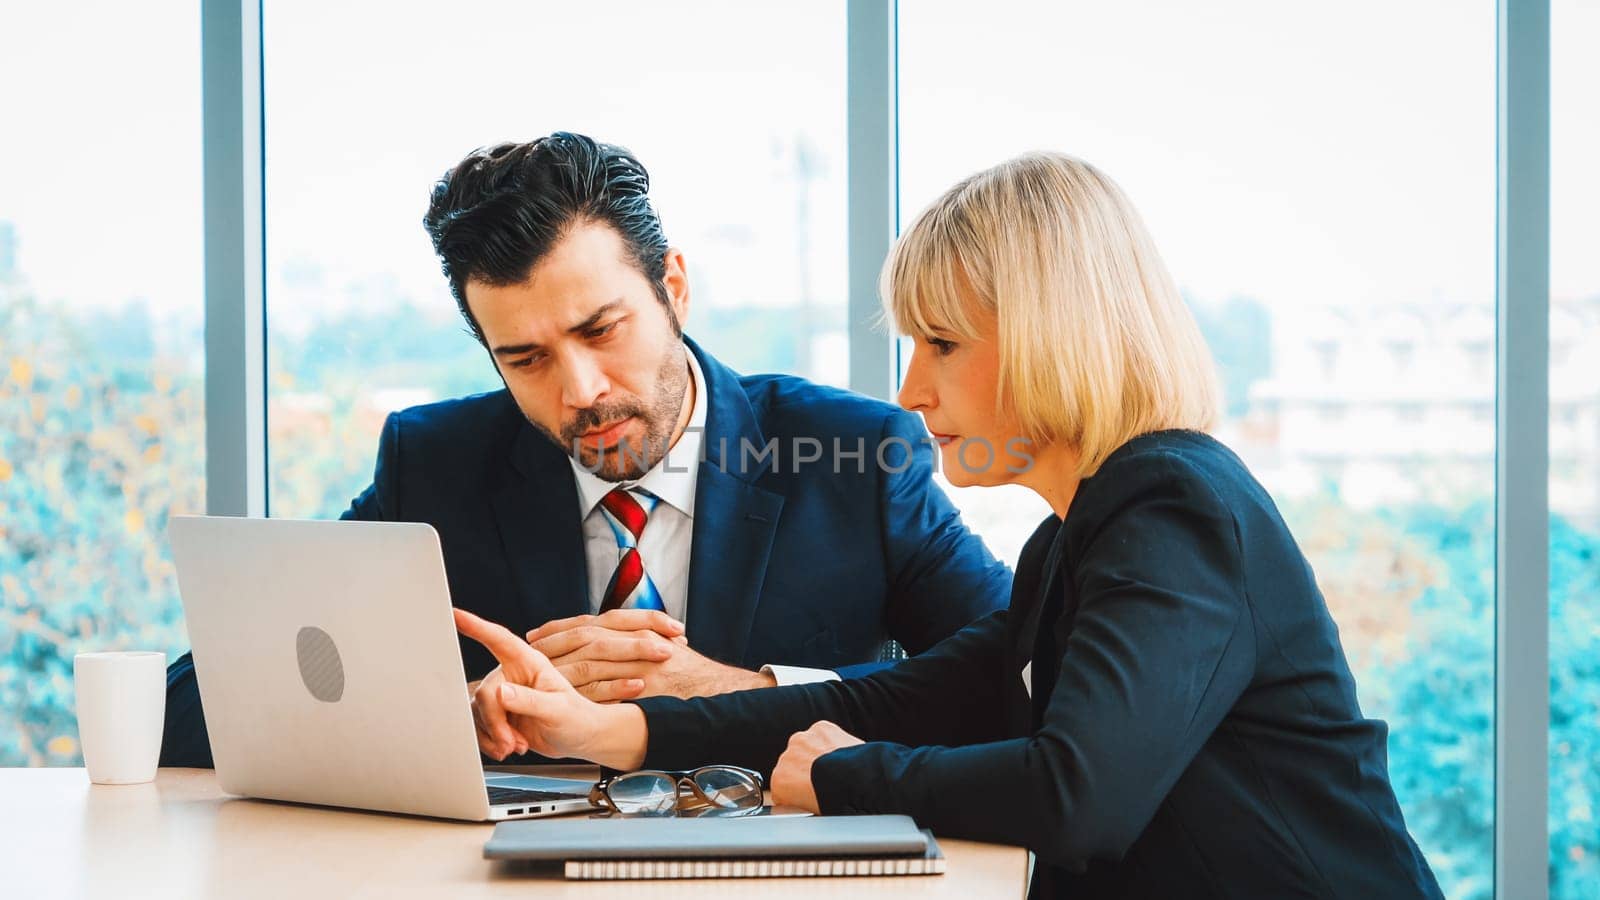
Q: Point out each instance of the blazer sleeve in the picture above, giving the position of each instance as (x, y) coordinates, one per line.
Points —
(184, 738)
(1161, 648)
(380, 502)
(950, 694)
(941, 576)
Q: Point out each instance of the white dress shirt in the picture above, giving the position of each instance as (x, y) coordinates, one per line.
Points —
(665, 543)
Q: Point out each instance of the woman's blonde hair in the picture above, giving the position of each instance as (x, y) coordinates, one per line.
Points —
(1096, 346)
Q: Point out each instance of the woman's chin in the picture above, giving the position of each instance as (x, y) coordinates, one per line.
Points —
(961, 476)
(965, 476)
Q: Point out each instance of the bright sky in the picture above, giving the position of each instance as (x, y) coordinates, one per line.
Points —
(1277, 150)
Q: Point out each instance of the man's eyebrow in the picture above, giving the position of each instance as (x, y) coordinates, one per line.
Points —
(595, 318)
(515, 349)
(585, 325)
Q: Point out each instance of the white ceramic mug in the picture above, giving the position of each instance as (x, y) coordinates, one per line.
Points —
(121, 708)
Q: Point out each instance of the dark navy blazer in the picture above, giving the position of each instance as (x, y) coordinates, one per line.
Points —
(808, 563)
(1193, 729)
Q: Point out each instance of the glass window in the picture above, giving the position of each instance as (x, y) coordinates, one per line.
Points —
(1574, 451)
(101, 399)
(738, 111)
(1323, 193)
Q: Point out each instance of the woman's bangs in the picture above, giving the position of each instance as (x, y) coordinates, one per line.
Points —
(925, 294)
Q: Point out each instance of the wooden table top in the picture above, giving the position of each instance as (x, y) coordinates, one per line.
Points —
(180, 836)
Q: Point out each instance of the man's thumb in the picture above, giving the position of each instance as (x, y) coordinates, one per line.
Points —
(523, 701)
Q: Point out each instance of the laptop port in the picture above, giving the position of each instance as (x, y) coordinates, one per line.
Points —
(514, 812)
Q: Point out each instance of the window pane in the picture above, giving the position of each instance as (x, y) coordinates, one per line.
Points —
(1574, 451)
(737, 110)
(101, 346)
(1324, 195)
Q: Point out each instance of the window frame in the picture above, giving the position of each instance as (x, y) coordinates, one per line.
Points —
(235, 340)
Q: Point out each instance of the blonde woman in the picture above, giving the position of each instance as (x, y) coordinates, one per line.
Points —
(1165, 709)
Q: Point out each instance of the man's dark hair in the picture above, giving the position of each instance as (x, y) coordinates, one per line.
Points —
(503, 208)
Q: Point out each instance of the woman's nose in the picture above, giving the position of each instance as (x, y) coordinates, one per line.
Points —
(915, 394)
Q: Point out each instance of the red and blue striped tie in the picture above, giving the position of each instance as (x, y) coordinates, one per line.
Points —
(627, 516)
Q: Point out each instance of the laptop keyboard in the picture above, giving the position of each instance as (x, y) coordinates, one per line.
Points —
(499, 796)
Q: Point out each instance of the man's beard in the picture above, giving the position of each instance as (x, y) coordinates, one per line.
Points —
(629, 462)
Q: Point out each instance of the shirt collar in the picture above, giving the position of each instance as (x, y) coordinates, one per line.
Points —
(673, 477)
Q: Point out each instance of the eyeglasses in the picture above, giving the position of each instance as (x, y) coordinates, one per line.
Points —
(709, 790)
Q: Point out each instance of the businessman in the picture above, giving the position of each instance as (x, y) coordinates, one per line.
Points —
(654, 522)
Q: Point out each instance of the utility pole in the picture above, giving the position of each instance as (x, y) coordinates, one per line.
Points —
(807, 168)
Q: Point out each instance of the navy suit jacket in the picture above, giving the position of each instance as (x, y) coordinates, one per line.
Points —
(809, 563)
(1193, 729)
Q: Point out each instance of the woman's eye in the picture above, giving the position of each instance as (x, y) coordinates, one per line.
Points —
(942, 346)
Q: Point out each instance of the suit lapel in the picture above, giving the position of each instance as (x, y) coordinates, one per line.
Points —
(735, 520)
(1036, 640)
(1038, 578)
(536, 509)
(734, 524)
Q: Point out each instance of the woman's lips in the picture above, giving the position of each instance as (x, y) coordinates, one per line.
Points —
(944, 439)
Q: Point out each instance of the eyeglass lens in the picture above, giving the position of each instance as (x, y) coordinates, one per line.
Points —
(727, 788)
(657, 794)
(644, 794)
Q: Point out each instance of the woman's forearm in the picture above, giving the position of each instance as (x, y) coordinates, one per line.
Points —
(944, 696)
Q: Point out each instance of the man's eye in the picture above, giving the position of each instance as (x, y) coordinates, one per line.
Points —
(526, 361)
(600, 331)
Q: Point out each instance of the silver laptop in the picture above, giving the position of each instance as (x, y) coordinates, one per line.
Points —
(330, 671)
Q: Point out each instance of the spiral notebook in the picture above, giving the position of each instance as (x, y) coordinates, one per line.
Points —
(755, 847)
(931, 862)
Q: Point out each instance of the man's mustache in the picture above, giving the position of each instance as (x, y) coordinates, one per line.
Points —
(596, 417)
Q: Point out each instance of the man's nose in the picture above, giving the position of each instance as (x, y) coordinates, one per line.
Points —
(582, 382)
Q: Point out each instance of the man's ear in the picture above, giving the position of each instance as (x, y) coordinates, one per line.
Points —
(479, 336)
(676, 281)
